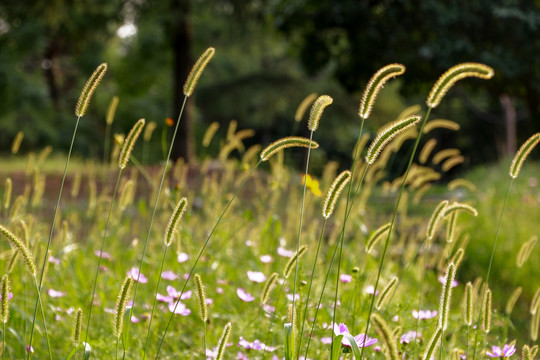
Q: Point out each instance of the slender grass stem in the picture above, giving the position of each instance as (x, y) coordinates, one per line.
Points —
(38, 299)
(155, 298)
(105, 232)
(165, 168)
(201, 252)
(491, 263)
(310, 285)
(44, 323)
(300, 230)
(346, 216)
(394, 215)
(142, 170)
(347, 212)
(420, 298)
(4, 342)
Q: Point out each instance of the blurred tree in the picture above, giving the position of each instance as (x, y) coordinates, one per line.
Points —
(355, 38)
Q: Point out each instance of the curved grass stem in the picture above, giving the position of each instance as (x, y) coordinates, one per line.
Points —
(200, 254)
(165, 168)
(394, 215)
(155, 299)
(45, 259)
(491, 263)
(105, 232)
(300, 230)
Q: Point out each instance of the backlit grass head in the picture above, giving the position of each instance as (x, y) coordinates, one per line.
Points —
(23, 251)
(335, 190)
(121, 303)
(176, 216)
(301, 110)
(4, 302)
(375, 84)
(129, 143)
(197, 70)
(522, 154)
(316, 111)
(453, 75)
(387, 133)
(89, 88)
(286, 142)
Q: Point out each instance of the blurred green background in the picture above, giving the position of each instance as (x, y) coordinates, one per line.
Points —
(270, 54)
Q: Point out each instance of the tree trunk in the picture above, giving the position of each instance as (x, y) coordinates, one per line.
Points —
(181, 45)
(49, 66)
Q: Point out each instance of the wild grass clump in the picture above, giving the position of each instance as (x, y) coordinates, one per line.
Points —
(371, 269)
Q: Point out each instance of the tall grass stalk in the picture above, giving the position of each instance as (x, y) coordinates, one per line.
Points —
(393, 221)
(169, 234)
(165, 169)
(310, 286)
(491, 263)
(348, 209)
(300, 233)
(80, 110)
(200, 254)
(123, 160)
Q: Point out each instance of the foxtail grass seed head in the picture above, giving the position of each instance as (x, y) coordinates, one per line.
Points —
(433, 344)
(452, 162)
(7, 193)
(316, 111)
(286, 142)
(426, 150)
(444, 154)
(292, 262)
(389, 340)
(486, 311)
(89, 88)
(435, 219)
(375, 84)
(301, 110)
(456, 206)
(111, 110)
(469, 303)
(535, 302)
(209, 133)
(386, 135)
(525, 251)
(149, 130)
(23, 251)
(334, 191)
(77, 325)
(377, 236)
(268, 286)
(386, 292)
(197, 70)
(522, 154)
(535, 322)
(526, 353)
(453, 75)
(174, 220)
(512, 300)
(201, 297)
(441, 124)
(16, 144)
(457, 257)
(223, 341)
(129, 143)
(121, 304)
(4, 302)
(446, 296)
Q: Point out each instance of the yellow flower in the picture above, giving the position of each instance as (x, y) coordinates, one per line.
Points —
(312, 184)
